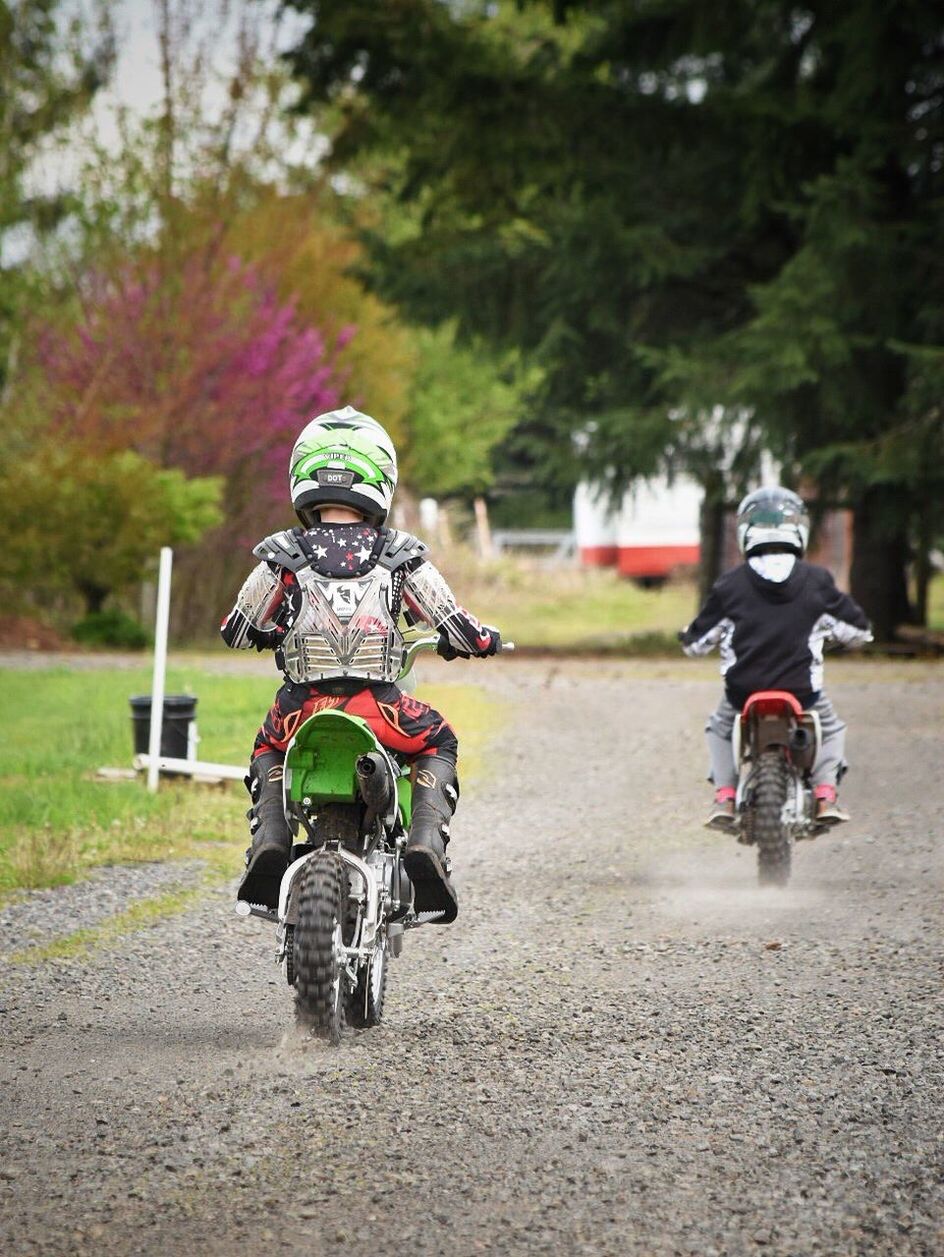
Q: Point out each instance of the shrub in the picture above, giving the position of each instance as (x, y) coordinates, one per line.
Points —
(111, 628)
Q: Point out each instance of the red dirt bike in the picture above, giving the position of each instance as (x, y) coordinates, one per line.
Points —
(775, 746)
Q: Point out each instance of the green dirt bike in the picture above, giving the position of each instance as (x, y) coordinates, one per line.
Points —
(345, 900)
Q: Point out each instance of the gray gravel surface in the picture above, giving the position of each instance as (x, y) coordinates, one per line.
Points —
(39, 916)
(622, 1046)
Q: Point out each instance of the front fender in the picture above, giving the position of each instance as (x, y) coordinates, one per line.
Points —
(288, 896)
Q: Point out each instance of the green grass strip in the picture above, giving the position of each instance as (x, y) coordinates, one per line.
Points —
(114, 929)
(57, 822)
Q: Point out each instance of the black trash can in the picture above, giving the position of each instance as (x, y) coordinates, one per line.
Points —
(179, 711)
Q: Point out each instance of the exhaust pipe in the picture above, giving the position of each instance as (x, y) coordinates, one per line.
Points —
(800, 740)
(373, 781)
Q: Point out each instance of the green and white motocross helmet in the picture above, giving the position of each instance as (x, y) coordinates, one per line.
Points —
(343, 458)
(776, 518)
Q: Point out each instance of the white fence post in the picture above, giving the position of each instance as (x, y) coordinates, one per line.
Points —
(482, 530)
(160, 667)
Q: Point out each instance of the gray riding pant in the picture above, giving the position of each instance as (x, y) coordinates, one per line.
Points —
(829, 764)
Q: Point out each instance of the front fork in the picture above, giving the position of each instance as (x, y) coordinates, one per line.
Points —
(369, 899)
(383, 897)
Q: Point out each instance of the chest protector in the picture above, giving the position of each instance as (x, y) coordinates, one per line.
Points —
(345, 626)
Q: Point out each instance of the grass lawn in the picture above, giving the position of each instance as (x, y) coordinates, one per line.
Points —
(570, 607)
(57, 820)
(936, 604)
(585, 609)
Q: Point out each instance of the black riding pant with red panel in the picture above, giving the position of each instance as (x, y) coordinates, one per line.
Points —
(399, 721)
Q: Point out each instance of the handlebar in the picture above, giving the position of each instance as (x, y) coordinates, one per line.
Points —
(419, 645)
(416, 647)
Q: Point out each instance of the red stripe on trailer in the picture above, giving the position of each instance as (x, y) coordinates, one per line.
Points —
(654, 560)
(598, 556)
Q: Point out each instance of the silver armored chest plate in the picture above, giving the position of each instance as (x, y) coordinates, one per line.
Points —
(346, 628)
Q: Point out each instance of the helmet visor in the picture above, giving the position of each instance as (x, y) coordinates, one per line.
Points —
(773, 519)
(774, 515)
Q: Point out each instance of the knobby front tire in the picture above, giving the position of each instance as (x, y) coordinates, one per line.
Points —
(317, 961)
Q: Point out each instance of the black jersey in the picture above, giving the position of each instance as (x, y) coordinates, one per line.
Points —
(771, 636)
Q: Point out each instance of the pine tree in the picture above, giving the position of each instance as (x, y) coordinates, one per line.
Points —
(674, 207)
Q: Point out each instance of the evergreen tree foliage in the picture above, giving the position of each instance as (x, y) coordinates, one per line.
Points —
(711, 226)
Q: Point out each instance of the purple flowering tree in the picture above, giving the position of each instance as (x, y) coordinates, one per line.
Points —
(205, 370)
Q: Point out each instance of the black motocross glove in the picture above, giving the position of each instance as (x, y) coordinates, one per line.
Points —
(446, 650)
(271, 639)
(266, 639)
(494, 646)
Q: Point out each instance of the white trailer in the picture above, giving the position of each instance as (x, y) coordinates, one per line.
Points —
(654, 531)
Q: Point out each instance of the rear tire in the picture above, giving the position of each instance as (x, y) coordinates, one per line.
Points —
(320, 995)
(774, 844)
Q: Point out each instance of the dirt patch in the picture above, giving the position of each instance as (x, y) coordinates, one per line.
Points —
(20, 632)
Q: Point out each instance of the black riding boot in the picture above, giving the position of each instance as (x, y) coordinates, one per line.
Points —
(435, 793)
(267, 858)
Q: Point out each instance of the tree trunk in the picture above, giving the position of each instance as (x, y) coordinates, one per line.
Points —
(923, 567)
(94, 596)
(711, 535)
(880, 555)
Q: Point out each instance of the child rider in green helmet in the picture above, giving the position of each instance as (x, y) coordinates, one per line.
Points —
(328, 597)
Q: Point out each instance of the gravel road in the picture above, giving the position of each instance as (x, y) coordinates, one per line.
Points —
(623, 1045)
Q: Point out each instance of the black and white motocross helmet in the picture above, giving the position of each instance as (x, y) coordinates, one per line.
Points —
(775, 518)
